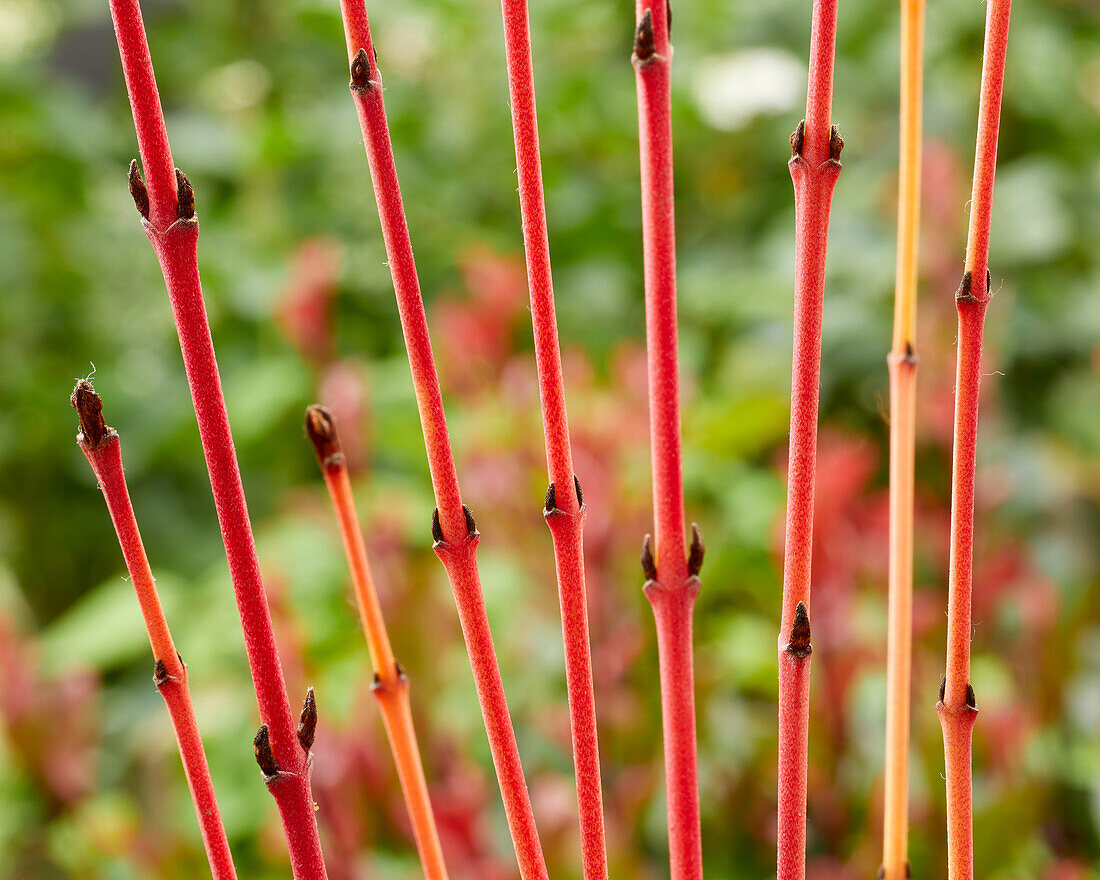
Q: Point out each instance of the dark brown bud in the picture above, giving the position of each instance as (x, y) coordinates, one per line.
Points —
(360, 72)
(836, 144)
(798, 138)
(307, 722)
(471, 526)
(138, 192)
(644, 48)
(185, 197)
(437, 529)
(160, 673)
(696, 552)
(580, 494)
(649, 567)
(262, 746)
(799, 642)
(321, 428)
(89, 408)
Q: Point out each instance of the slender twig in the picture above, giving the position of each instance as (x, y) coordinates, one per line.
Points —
(957, 706)
(903, 398)
(453, 528)
(815, 167)
(564, 509)
(101, 446)
(672, 577)
(166, 202)
(391, 684)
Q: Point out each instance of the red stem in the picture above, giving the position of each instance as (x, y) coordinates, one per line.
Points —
(672, 584)
(455, 533)
(564, 511)
(814, 168)
(964, 455)
(173, 232)
(102, 448)
(141, 85)
(653, 75)
(989, 125)
(957, 707)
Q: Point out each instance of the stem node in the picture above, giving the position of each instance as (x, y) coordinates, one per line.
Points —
(550, 506)
(397, 682)
(437, 529)
(965, 294)
(162, 677)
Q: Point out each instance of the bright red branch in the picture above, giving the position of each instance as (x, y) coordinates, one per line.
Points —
(521, 91)
(173, 231)
(672, 581)
(564, 510)
(989, 126)
(141, 84)
(957, 707)
(814, 166)
(456, 535)
(101, 446)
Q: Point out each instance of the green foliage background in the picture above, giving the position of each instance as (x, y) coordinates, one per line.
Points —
(258, 112)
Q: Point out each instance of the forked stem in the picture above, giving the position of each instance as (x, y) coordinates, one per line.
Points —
(453, 528)
(957, 706)
(672, 581)
(101, 446)
(814, 167)
(903, 396)
(564, 509)
(391, 685)
(166, 202)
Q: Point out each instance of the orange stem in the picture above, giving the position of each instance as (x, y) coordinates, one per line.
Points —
(391, 685)
(453, 526)
(101, 446)
(903, 395)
